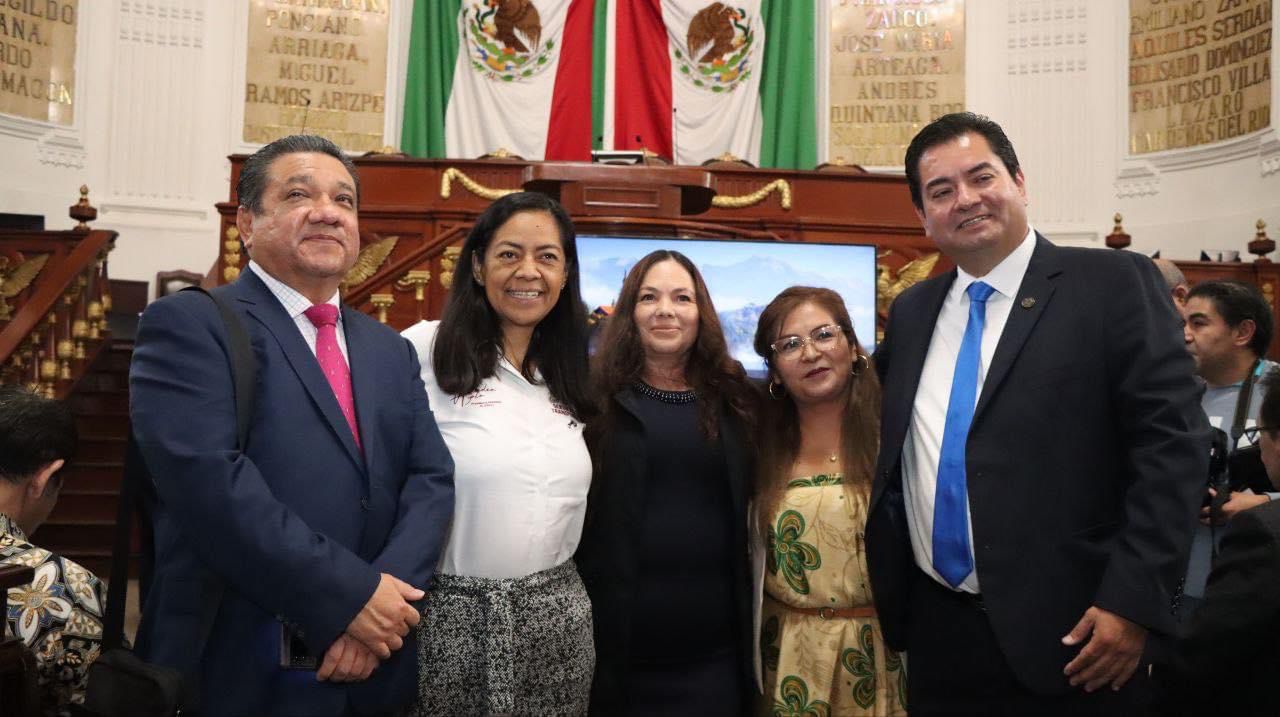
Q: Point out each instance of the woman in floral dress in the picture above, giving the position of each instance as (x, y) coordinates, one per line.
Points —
(820, 647)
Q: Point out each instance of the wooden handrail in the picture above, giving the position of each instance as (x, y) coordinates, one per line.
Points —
(359, 294)
(53, 284)
(53, 336)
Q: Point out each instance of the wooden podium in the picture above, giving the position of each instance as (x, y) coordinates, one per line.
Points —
(642, 191)
(414, 214)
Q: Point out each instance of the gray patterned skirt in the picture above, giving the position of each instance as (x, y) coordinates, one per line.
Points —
(519, 646)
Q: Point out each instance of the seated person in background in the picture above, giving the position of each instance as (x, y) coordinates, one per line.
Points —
(1227, 655)
(58, 615)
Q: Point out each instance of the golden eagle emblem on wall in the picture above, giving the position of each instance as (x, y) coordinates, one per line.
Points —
(505, 39)
(718, 48)
(15, 281)
(371, 258)
(888, 287)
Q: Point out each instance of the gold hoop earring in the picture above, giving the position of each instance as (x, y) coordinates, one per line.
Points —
(860, 366)
(776, 396)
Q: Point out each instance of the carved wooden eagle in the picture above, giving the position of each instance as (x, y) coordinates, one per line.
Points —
(14, 282)
(371, 259)
(911, 273)
(516, 18)
(713, 25)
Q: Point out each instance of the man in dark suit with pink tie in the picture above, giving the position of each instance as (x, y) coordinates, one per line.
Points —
(1042, 453)
(310, 542)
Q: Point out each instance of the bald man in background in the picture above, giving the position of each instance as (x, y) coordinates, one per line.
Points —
(1176, 281)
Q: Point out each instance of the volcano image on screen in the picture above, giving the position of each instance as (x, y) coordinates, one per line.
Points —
(742, 277)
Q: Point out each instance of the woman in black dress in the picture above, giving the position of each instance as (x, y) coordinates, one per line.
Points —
(664, 549)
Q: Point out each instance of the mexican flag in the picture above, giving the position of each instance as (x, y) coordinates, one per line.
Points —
(688, 80)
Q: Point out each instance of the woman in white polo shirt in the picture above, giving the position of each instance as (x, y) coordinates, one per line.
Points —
(507, 624)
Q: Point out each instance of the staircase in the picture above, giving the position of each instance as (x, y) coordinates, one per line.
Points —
(82, 524)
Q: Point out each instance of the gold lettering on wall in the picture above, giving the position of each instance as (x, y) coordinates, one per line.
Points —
(38, 59)
(318, 66)
(895, 66)
(1199, 72)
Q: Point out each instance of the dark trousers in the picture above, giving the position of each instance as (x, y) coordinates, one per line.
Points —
(956, 667)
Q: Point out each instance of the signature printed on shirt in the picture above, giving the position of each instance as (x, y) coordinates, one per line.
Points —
(477, 399)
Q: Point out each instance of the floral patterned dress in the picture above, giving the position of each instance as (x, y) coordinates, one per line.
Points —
(58, 615)
(815, 666)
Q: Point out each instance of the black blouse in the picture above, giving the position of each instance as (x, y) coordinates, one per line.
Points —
(686, 548)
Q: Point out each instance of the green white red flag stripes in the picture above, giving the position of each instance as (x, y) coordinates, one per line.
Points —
(685, 78)
(550, 79)
(507, 67)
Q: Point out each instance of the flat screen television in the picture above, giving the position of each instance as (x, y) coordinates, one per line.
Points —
(742, 277)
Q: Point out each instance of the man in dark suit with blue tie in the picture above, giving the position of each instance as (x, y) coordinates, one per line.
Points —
(314, 537)
(1042, 453)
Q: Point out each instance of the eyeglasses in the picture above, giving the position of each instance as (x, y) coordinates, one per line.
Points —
(1251, 433)
(823, 338)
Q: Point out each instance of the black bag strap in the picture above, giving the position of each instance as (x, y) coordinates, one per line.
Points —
(244, 373)
(1242, 404)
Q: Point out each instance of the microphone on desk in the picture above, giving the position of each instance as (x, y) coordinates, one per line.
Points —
(675, 148)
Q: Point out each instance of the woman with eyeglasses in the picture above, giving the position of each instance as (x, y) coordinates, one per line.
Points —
(664, 550)
(820, 646)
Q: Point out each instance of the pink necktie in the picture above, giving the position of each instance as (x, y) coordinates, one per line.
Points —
(325, 318)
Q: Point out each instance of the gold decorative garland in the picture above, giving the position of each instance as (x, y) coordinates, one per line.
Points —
(446, 186)
(781, 186)
(746, 200)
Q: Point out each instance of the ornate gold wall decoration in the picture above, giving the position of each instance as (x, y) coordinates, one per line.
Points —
(14, 281)
(448, 262)
(231, 254)
(471, 185)
(417, 279)
(382, 302)
(913, 272)
(781, 186)
(371, 258)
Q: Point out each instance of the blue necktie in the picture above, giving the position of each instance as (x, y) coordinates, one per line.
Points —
(951, 555)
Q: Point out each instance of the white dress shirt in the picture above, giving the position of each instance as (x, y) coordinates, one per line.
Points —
(923, 445)
(296, 305)
(521, 471)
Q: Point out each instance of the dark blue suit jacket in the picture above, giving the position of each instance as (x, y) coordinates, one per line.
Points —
(1086, 458)
(298, 526)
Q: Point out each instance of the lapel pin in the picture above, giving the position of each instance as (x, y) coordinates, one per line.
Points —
(1028, 302)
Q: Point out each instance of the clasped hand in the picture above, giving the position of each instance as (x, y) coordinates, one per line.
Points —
(376, 631)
